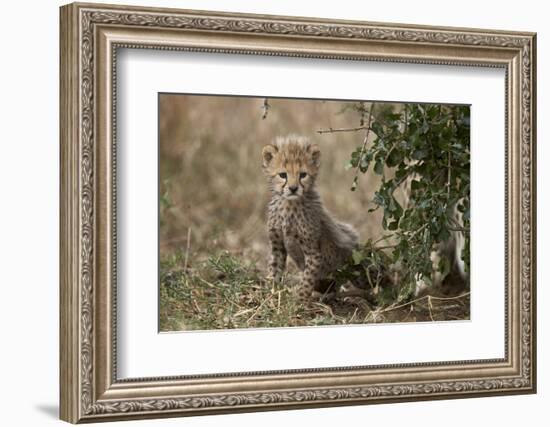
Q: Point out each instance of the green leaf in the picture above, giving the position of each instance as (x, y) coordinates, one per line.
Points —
(379, 167)
(419, 154)
(364, 165)
(416, 185)
(357, 256)
(424, 128)
(396, 253)
(393, 117)
(426, 278)
(401, 172)
(432, 112)
(443, 235)
(394, 158)
(377, 128)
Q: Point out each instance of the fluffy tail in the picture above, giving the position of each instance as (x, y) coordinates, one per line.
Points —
(348, 236)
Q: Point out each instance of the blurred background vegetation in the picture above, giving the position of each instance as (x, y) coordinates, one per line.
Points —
(211, 182)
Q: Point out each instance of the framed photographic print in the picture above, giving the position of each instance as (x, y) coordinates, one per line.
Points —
(264, 212)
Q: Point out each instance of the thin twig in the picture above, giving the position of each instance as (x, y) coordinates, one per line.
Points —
(430, 307)
(465, 294)
(364, 146)
(331, 130)
(380, 239)
(407, 315)
(460, 229)
(449, 177)
(187, 249)
(352, 318)
(391, 308)
(328, 309)
(386, 247)
(351, 293)
(458, 226)
(242, 312)
(259, 308)
(418, 230)
(195, 305)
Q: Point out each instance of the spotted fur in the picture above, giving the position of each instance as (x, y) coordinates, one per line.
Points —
(299, 226)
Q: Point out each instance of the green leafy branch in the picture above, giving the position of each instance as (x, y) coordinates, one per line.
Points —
(427, 148)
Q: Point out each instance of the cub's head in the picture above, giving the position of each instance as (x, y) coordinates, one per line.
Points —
(291, 165)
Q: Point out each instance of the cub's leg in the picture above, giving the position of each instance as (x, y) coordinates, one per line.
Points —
(311, 275)
(277, 259)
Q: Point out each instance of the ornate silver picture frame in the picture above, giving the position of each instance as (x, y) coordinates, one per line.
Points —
(91, 37)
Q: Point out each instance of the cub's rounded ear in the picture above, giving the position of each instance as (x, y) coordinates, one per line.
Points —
(268, 153)
(315, 154)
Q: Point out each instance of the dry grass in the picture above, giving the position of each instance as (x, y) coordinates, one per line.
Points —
(220, 293)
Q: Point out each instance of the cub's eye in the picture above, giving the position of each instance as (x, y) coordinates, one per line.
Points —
(283, 175)
(303, 175)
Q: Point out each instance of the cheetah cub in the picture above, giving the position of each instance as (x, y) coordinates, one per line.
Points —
(298, 223)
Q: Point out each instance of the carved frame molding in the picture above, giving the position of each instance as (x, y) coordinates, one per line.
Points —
(90, 37)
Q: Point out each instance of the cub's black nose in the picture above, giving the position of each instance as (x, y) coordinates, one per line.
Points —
(293, 188)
